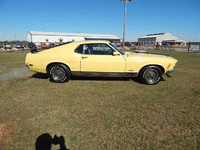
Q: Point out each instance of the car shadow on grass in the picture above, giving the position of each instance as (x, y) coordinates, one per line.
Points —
(135, 79)
(40, 76)
(100, 78)
(45, 76)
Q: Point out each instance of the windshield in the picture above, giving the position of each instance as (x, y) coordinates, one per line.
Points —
(121, 52)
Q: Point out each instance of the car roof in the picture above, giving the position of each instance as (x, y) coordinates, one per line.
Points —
(71, 46)
(91, 41)
(87, 42)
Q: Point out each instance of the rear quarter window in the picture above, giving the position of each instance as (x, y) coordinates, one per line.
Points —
(79, 49)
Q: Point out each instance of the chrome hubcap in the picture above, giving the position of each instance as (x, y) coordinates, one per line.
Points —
(151, 75)
(58, 74)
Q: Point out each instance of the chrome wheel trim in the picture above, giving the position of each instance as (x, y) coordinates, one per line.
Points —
(58, 73)
(151, 76)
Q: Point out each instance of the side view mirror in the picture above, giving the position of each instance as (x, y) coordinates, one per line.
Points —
(115, 53)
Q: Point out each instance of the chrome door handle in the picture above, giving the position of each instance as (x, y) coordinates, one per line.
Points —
(84, 57)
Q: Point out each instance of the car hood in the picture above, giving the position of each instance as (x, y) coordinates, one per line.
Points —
(150, 57)
(155, 55)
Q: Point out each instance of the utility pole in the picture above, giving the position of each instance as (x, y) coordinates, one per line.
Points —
(125, 3)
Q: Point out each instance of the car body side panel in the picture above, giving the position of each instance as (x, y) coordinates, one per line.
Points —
(103, 63)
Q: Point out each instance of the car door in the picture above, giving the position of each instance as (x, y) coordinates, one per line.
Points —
(99, 58)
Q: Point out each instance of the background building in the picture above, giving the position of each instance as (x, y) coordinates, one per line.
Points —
(57, 37)
(161, 39)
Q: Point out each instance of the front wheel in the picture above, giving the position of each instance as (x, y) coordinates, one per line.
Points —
(59, 73)
(150, 75)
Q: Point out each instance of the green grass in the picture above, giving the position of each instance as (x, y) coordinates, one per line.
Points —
(100, 113)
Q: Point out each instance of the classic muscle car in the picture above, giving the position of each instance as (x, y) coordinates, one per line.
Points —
(99, 58)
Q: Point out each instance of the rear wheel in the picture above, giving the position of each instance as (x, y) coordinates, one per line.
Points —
(59, 73)
(150, 74)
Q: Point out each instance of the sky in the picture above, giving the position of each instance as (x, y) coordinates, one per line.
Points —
(179, 17)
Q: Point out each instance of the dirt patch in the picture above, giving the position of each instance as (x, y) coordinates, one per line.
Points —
(7, 131)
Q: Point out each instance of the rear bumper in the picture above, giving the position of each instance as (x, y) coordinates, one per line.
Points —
(27, 66)
(168, 72)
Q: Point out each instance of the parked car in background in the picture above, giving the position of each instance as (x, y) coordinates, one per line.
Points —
(32, 46)
(7, 46)
(19, 45)
(101, 59)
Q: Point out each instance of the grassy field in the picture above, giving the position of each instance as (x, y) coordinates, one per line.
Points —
(93, 113)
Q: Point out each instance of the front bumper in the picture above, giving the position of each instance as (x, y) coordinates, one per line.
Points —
(168, 72)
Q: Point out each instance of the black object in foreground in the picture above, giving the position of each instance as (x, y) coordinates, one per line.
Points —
(45, 140)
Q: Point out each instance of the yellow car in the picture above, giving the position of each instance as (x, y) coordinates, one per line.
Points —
(99, 58)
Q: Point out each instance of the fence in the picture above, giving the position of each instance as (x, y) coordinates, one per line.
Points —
(193, 47)
(189, 47)
(159, 46)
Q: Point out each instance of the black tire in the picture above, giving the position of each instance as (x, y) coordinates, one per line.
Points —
(150, 75)
(59, 73)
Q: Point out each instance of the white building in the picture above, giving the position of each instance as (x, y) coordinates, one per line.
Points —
(161, 39)
(57, 37)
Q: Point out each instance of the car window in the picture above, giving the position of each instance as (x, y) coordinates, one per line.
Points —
(121, 52)
(79, 49)
(97, 49)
